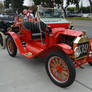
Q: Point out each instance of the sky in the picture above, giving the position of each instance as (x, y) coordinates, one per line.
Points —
(85, 2)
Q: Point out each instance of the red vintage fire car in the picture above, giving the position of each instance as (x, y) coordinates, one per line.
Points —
(49, 36)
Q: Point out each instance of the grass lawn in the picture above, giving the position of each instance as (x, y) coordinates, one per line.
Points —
(79, 18)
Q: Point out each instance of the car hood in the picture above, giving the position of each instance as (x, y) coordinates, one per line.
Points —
(68, 32)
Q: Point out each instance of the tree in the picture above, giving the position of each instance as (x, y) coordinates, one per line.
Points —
(6, 3)
(1, 6)
(17, 5)
(45, 3)
(68, 2)
(90, 1)
(60, 3)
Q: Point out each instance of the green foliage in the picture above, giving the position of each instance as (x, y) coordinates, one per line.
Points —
(37, 2)
(84, 9)
(1, 6)
(60, 3)
(71, 9)
(68, 2)
(45, 3)
(6, 3)
(15, 4)
(81, 9)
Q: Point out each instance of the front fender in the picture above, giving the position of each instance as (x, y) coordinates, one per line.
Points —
(65, 48)
(61, 47)
(17, 41)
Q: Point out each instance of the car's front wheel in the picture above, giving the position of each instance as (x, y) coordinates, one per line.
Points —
(60, 69)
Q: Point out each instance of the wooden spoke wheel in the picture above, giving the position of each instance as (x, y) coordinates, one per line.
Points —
(60, 69)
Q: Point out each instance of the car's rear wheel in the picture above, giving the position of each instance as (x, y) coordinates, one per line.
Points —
(11, 47)
(2, 40)
(60, 69)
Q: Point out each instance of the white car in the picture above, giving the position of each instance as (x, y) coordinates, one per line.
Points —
(86, 15)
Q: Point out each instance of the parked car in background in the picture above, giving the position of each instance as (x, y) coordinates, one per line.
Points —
(6, 21)
(73, 14)
(7, 17)
(86, 15)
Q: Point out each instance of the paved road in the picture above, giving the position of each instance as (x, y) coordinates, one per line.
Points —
(84, 26)
(22, 75)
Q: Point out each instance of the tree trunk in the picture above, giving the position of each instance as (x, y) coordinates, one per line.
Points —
(91, 10)
(64, 10)
(65, 15)
(90, 1)
(62, 7)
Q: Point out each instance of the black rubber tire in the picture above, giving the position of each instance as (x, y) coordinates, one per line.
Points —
(90, 63)
(14, 53)
(68, 61)
(2, 40)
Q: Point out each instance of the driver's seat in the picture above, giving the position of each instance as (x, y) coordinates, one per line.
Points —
(34, 29)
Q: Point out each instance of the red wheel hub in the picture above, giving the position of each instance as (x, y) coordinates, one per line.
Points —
(58, 69)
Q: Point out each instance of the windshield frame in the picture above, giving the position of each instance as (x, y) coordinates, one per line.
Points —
(53, 10)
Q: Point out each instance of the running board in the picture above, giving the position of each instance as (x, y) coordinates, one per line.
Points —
(28, 55)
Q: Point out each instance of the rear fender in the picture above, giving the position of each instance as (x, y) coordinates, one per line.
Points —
(17, 41)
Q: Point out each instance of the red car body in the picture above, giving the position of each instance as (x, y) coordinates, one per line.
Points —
(75, 44)
(41, 50)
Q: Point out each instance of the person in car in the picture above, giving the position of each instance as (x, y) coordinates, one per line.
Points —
(28, 15)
